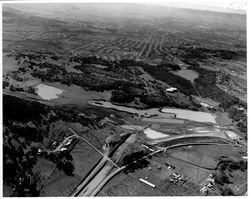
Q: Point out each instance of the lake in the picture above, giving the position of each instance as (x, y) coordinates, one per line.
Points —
(144, 112)
(48, 92)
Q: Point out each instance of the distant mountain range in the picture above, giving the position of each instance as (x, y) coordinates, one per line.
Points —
(230, 6)
(104, 12)
(238, 5)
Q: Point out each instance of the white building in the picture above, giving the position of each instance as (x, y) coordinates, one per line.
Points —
(147, 182)
(171, 90)
(206, 105)
(63, 149)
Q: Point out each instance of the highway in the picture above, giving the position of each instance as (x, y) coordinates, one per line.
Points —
(106, 180)
(32, 36)
(104, 155)
(107, 172)
(106, 168)
(79, 190)
(100, 176)
(102, 173)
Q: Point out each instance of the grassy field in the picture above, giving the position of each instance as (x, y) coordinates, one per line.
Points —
(45, 168)
(97, 137)
(7, 191)
(197, 162)
(223, 119)
(129, 184)
(217, 152)
(9, 64)
(194, 157)
(59, 184)
(84, 157)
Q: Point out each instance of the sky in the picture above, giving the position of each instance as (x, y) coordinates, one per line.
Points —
(213, 3)
(206, 2)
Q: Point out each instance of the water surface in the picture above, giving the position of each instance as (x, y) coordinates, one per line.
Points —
(152, 134)
(187, 74)
(48, 92)
(197, 116)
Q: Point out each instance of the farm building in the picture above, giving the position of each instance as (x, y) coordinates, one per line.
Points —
(147, 182)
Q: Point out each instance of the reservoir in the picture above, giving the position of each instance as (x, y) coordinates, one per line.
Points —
(197, 116)
(152, 134)
(48, 92)
(144, 112)
(164, 113)
(187, 74)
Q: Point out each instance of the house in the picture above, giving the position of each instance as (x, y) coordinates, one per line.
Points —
(206, 105)
(176, 175)
(240, 108)
(54, 143)
(39, 151)
(171, 90)
(204, 190)
(67, 142)
(211, 175)
(211, 180)
(63, 149)
(143, 145)
(210, 185)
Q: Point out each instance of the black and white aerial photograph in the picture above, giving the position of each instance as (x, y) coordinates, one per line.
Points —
(124, 98)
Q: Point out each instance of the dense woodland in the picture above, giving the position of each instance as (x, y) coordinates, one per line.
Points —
(163, 73)
(22, 135)
(223, 176)
(119, 77)
(206, 86)
(205, 53)
(122, 79)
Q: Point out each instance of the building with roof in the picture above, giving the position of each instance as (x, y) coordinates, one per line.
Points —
(171, 90)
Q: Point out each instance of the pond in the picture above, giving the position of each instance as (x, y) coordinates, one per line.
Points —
(48, 92)
(197, 116)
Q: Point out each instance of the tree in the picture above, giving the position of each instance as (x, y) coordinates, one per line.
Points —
(12, 88)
